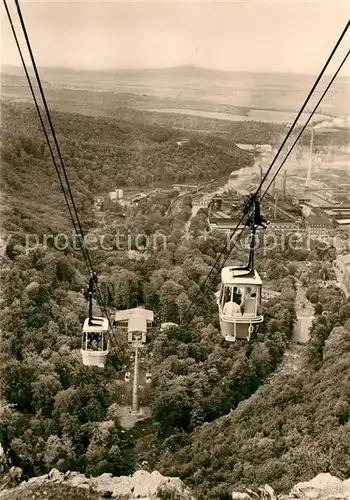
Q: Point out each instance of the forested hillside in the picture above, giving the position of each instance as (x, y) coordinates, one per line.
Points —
(298, 426)
(100, 155)
(104, 152)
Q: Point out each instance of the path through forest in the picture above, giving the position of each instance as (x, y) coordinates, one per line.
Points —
(340, 281)
(293, 357)
(305, 314)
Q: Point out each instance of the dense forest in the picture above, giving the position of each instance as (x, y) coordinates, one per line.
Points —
(297, 427)
(59, 413)
(103, 153)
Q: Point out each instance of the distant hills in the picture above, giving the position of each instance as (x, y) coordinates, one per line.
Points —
(199, 88)
(184, 69)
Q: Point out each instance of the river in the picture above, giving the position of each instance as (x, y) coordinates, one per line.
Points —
(260, 115)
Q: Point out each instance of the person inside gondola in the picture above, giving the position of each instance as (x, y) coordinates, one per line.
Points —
(236, 296)
(100, 341)
(249, 301)
(93, 342)
(231, 307)
(245, 297)
(242, 308)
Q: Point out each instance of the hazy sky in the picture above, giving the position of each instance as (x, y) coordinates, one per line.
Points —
(249, 35)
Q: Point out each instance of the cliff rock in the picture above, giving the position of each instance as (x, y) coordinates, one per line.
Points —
(322, 487)
(141, 485)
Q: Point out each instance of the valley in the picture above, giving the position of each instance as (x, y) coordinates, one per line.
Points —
(219, 415)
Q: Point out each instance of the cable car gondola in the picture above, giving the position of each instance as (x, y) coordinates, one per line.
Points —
(239, 298)
(95, 342)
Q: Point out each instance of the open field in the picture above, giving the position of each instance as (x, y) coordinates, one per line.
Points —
(183, 90)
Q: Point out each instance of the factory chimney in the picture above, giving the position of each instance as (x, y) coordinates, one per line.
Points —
(308, 178)
(284, 184)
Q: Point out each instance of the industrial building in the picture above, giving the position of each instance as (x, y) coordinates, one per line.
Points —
(182, 188)
(299, 203)
(318, 223)
(282, 214)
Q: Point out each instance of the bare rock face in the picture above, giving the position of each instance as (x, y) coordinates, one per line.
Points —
(264, 493)
(141, 485)
(321, 487)
(12, 478)
(144, 485)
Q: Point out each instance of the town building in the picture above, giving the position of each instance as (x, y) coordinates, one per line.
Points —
(98, 202)
(116, 195)
(139, 197)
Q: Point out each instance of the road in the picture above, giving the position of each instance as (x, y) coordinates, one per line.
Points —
(340, 282)
(293, 358)
(194, 210)
(305, 315)
(178, 198)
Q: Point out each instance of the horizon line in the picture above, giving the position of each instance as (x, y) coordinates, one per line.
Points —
(164, 68)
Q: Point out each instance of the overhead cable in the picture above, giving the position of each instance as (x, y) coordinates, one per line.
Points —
(78, 230)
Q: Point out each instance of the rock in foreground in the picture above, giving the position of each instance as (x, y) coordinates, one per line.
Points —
(141, 485)
(322, 487)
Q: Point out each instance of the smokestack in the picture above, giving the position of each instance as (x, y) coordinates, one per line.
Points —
(261, 173)
(308, 178)
(284, 184)
(275, 211)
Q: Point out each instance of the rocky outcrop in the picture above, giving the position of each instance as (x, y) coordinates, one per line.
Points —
(141, 485)
(322, 487)
(144, 485)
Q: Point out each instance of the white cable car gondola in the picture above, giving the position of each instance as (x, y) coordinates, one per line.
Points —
(95, 342)
(239, 298)
(148, 376)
